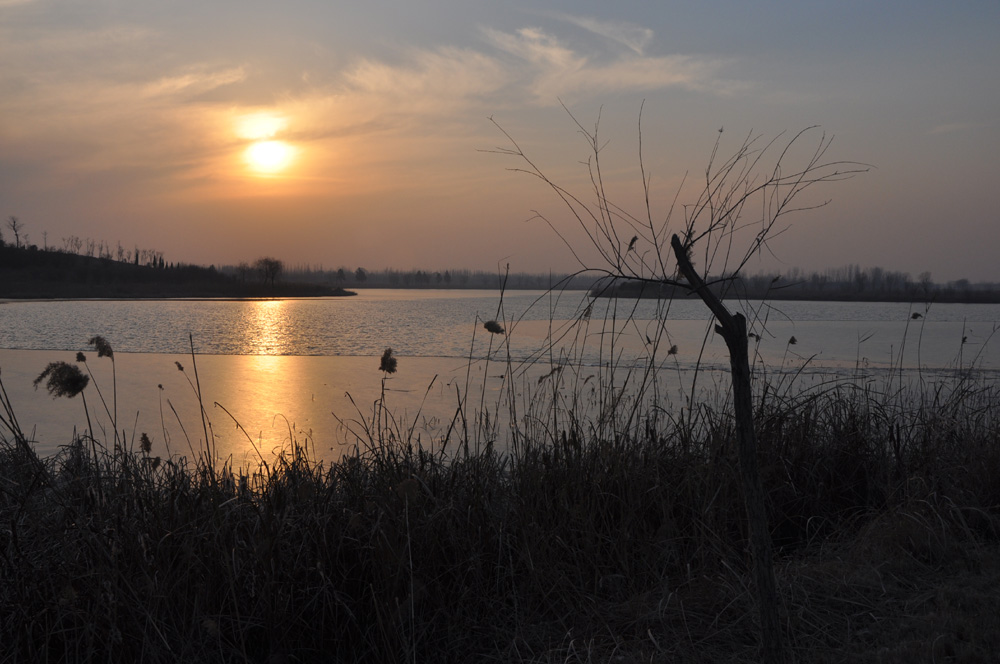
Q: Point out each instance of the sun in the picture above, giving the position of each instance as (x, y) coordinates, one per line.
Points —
(269, 156)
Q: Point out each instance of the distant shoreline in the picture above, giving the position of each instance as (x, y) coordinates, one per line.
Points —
(290, 294)
(633, 291)
(279, 293)
(221, 298)
(992, 298)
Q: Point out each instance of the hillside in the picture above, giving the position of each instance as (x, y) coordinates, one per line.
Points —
(34, 273)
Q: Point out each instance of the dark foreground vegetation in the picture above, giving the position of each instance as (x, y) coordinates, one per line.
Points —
(578, 545)
(34, 273)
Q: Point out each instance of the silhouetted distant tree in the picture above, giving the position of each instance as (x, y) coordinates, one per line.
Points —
(926, 284)
(15, 226)
(269, 268)
(243, 269)
(360, 275)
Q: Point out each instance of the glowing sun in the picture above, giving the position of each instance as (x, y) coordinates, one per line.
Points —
(269, 156)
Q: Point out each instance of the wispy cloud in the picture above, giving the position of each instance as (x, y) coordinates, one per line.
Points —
(430, 79)
(195, 82)
(556, 70)
(538, 48)
(632, 36)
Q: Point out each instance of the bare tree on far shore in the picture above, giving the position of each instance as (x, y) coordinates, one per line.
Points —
(269, 268)
(16, 227)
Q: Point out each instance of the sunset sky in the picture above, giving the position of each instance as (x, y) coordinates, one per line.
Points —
(342, 134)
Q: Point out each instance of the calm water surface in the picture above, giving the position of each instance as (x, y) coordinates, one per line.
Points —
(283, 367)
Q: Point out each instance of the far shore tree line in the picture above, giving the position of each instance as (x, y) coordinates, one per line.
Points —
(849, 282)
(266, 268)
(361, 277)
(865, 283)
(852, 282)
(88, 247)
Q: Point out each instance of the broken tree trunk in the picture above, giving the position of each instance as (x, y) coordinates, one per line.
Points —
(733, 328)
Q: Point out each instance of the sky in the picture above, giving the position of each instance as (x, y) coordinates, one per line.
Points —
(338, 134)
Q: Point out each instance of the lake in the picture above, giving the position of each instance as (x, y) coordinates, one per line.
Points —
(284, 368)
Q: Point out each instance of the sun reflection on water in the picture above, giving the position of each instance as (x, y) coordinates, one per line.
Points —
(266, 328)
(266, 395)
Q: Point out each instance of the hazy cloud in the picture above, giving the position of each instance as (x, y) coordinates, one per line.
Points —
(956, 127)
(32, 47)
(99, 104)
(99, 123)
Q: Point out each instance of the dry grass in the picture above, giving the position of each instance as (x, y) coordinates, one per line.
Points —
(579, 549)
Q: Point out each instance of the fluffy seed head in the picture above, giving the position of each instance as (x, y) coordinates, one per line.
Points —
(388, 362)
(102, 346)
(64, 380)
